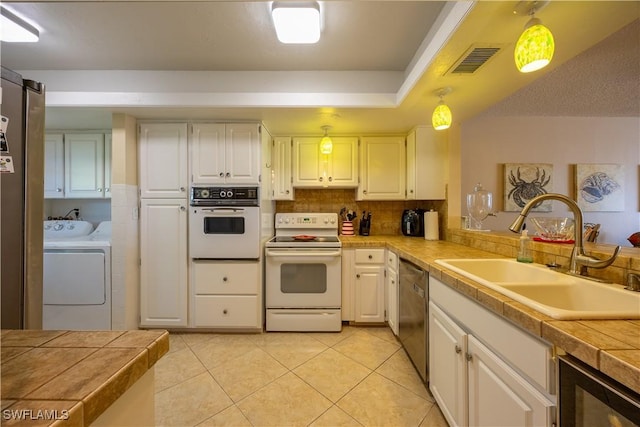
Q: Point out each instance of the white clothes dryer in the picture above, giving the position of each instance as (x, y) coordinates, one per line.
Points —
(77, 276)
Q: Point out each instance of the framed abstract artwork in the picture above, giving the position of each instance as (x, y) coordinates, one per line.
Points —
(523, 182)
(600, 187)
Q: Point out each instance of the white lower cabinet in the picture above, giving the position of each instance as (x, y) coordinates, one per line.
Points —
(369, 285)
(226, 294)
(163, 265)
(485, 371)
(391, 288)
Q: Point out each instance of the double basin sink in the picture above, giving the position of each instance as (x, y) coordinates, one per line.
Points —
(555, 294)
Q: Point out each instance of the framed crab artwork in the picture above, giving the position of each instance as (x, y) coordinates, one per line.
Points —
(600, 187)
(523, 182)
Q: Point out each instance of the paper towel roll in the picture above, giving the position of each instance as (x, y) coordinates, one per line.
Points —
(431, 225)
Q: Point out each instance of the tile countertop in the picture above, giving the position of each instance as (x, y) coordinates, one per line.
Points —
(611, 346)
(74, 374)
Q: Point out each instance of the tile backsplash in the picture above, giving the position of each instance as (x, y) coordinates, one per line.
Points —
(386, 215)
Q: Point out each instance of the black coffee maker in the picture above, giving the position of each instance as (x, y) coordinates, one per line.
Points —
(413, 222)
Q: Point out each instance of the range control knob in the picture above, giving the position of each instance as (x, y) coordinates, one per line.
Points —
(326, 220)
(204, 193)
(287, 220)
(333, 220)
(229, 194)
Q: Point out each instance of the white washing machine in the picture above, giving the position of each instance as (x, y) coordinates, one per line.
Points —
(77, 276)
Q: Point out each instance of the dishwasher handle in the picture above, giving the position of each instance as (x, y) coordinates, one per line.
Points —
(413, 267)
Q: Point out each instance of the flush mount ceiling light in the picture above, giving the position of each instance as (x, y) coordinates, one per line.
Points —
(535, 46)
(441, 117)
(326, 144)
(296, 22)
(16, 29)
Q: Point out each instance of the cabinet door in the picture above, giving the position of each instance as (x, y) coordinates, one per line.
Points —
(499, 396)
(242, 153)
(343, 163)
(348, 285)
(163, 160)
(84, 165)
(392, 300)
(207, 147)
(369, 298)
(447, 366)
(308, 166)
(53, 166)
(282, 178)
(382, 168)
(107, 165)
(163, 267)
(427, 164)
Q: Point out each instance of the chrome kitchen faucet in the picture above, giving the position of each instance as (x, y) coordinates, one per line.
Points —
(579, 259)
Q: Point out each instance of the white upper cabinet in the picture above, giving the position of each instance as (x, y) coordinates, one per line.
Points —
(427, 164)
(382, 168)
(225, 153)
(163, 160)
(54, 166)
(313, 169)
(282, 188)
(84, 165)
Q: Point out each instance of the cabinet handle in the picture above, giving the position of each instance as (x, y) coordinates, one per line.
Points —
(411, 191)
(469, 357)
(107, 190)
(59, 190)
(99, 190)
(321, 178)
(393, 282)
(224, 279)
(182, 208)
(458, 349)
(228, 175)
(287, 191)
(221, 174)
(225, 311)
(370, 256)
(330, 179)
(364, 191)
(182, 189)
(357, 276)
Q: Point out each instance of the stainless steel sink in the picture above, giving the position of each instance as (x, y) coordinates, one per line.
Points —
(555, 294)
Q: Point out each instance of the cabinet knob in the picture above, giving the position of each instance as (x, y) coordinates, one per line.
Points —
(321, 178)
(228, 175)
(225, 311)
(287, 191)
(106, 190)
(182, 208)
(59, 190)
(99, 190)
(411, 191)
(357, 276)
(224, 279)
(330, 179)
(182, 189)
(469, 357)
(370, 256)
(458, 349)
(221, 174)
(364, 191)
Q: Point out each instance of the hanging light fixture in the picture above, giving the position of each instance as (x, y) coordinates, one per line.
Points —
(535, 46)
(441, 117)
(326, 144)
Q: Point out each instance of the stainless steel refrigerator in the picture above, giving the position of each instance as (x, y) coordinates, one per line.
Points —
(21, 201)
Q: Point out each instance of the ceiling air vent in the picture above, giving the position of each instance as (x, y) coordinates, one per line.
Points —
(473, 59)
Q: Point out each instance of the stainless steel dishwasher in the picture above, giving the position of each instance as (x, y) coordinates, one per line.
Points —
(414, 323)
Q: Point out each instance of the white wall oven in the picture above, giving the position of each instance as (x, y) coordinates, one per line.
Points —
(304, 274)
(224, 223)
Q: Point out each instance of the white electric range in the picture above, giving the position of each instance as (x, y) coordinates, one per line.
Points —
(303, 288)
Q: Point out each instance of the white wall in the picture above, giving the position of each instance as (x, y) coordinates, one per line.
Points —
(488, 142)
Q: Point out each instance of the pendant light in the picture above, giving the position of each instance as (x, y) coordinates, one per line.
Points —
(535, 46)
(441, 117)
(326, 145)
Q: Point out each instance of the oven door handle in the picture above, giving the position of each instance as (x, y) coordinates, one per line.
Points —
(301, 254)
(225, 211)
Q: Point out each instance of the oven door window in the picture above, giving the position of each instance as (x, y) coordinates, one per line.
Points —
(303, 278)
(224, 225)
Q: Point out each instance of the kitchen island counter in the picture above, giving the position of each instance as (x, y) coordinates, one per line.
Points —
(73, 378)
(611, 346)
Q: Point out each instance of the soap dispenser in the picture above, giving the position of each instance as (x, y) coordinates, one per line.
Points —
(524, 250)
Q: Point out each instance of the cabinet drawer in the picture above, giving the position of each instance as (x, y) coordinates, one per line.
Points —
(230, 311)
(228, 277)
(392, 260)
(370, 256)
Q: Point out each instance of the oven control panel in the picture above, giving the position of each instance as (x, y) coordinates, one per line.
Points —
(302, 220)
(203, 196)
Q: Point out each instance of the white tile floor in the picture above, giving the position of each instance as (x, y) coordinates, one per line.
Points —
(359, 377)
